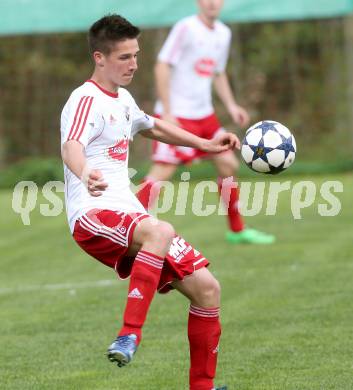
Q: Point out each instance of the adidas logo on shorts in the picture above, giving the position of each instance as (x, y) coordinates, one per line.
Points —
(135, 293)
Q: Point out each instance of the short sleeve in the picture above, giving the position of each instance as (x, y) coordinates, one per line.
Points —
(78, 119)
(175, 44)
(140, 120)
(223, 59)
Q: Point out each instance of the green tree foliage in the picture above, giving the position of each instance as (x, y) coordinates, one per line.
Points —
(293, 72)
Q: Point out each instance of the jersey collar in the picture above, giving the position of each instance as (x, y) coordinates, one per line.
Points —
(111, 94)
(206, 25)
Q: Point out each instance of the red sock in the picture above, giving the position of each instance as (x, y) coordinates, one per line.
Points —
(204, 331)
(229, 193)
(144, 279)
(148, 193)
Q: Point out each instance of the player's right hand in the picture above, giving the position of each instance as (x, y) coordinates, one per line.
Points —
(95, 183)
(221, 143)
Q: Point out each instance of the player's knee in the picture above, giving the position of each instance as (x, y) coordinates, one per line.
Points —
(228, 167)
(231, 167)
(210, 294)
(167, 231)
(234, 165)
(161, 172)
(163, 232)
(215, 290)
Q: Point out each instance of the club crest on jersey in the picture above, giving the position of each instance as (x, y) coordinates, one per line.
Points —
(118, 151)
(112, 120)
(127, 114)
(205, 67)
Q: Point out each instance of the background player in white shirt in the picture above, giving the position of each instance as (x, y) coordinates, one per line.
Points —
(106, 218)
(192, 58)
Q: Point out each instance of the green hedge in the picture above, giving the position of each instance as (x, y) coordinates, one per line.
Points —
(39, 170)
(42, 170)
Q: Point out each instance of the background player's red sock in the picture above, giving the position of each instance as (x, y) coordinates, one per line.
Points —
(144, 280)
(204, 331)
(149, 192)
(229, 193)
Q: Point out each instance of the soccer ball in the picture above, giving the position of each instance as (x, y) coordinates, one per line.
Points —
(268, 147)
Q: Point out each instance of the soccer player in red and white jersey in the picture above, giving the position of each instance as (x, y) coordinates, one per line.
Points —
(106, 219)
(192, 58)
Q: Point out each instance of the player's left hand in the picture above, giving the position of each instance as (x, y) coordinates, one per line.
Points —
(95, 183)
(221, 143)
(239, 115)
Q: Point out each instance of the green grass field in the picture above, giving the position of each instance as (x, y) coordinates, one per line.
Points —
(287, 308)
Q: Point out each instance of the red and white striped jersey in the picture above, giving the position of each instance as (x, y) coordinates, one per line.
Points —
(196, 53)
(104, 123)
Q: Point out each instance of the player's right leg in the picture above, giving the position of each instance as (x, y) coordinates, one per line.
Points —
(150, 187)
(204, 329)
(150, 243)
(132, 244)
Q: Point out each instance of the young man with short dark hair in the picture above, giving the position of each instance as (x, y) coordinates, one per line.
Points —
(106, 219)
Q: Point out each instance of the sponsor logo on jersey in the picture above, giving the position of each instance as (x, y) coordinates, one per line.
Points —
(205, 67)
(135, 293)
(119, 150)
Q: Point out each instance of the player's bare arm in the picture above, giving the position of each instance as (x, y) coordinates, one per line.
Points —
(239, 115)
(73, 156)
(169, 133)
(162, 72)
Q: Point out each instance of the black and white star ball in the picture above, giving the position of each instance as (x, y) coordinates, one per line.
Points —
(268, 147)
